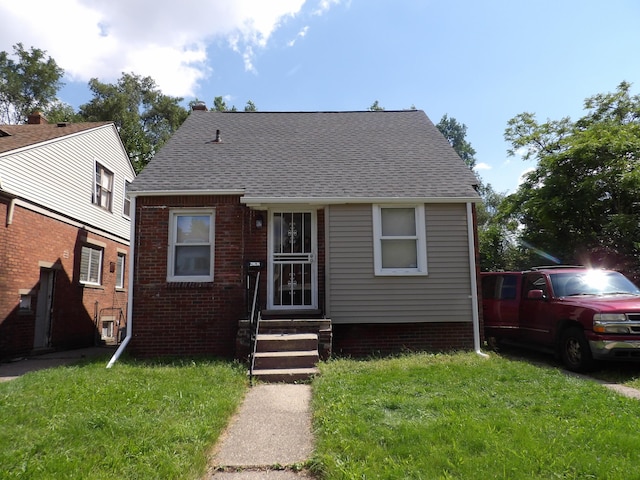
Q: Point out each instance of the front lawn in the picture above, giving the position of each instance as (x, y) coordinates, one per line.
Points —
(466, 417)
(135, 420)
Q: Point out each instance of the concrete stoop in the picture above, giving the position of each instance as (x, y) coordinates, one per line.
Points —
(286, 357)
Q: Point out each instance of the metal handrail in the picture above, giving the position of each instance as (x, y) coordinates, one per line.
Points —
(254, 321)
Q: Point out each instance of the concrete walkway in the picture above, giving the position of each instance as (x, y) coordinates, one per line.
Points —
(269, 438)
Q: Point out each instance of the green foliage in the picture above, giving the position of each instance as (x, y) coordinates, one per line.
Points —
(29, 83)
(136, 420)
(441, 416)
(580, 204)
(375, 107)
(456, 134)
(61, 112)
(144, 117)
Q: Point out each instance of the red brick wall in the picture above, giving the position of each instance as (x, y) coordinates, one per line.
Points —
(191, 318)
(30, 239)
(385, 339)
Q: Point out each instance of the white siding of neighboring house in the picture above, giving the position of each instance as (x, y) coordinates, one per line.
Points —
(356, 295)
(59, 175)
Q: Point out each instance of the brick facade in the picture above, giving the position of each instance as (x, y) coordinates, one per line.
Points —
(384, 339)
(173, 318)
(32, 243)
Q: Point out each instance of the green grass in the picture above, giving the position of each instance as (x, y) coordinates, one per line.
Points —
(133, 421)
(461, 416)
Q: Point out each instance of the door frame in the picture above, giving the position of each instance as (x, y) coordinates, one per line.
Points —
(313, 254)
(44, 306)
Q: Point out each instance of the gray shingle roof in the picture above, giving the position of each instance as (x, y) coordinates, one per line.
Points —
(310, 155)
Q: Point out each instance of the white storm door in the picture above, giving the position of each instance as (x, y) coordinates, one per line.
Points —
(293, 272)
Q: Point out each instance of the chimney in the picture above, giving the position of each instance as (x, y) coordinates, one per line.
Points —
(199, 105)
(36, 118)
(218, 137)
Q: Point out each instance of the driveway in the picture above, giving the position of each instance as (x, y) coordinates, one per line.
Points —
(17, 367)
(604, 372)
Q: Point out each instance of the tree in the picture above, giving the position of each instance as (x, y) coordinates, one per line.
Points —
(580, 203)
(497, 251)
(375, 107)
(58, 112)
(456, 133)
(27, 84)
(219, 105)
(145, 118)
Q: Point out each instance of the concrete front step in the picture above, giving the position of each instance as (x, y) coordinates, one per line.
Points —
(287, 342)
(295, 359)
(285, 375)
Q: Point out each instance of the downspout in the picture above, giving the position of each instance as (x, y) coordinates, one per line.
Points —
(129, 334)
(474, 282)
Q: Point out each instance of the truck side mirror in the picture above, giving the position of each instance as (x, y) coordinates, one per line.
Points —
(535, 295)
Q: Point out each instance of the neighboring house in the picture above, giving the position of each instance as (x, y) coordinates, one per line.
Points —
(363, 218)
(64, 237)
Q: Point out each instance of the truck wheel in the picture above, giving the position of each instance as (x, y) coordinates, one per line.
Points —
(575, 351)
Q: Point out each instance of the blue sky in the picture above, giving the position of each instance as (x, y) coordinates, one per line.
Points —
(481, 63)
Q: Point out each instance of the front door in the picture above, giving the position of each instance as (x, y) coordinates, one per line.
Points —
(292, 269)
(42, 333)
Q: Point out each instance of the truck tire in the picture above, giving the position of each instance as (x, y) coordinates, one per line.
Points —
(575, 351)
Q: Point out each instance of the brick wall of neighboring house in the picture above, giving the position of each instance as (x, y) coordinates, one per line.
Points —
(187, 318)
(33, 243)
(384, 339)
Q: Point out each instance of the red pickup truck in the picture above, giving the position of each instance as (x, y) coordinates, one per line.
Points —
(581, 314)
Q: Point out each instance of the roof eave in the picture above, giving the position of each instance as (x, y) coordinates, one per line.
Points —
(171, 193)
(264, 201)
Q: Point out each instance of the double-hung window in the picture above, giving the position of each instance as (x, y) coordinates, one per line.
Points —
(120, 270)
(126, 208)
(191, 246)
(400, 246)
(103, 187)
(91, 265)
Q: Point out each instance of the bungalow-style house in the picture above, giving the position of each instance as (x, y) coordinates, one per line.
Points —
(361, 224)
(64, 236)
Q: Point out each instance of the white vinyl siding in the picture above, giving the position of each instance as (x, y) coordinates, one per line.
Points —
(357, 295)
(191, 246)
(59, 175)
(91, 265)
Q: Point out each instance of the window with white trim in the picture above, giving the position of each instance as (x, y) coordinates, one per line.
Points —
(103, 187)
(400, 245)
(91, 265)
(126, 208)
(120, 262)
(191, 246)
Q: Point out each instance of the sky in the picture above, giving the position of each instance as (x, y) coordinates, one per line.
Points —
(481, 63)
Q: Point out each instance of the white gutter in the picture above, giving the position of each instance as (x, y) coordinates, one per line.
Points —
(124, 343)
(474, 283)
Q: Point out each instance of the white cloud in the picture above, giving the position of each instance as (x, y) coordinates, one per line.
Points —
(483, 166)
(523, 175)
(301, 34)
(164, 39)
(324, 5)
